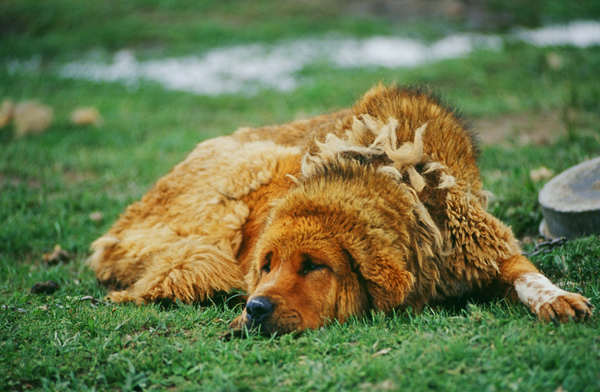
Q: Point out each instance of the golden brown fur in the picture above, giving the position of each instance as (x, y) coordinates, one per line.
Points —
(376, 207)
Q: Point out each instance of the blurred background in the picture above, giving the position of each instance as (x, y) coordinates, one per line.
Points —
(101, 98)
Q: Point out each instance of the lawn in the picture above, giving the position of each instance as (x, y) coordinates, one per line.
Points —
(51, 183)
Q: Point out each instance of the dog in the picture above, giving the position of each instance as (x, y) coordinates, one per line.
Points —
(377, 207)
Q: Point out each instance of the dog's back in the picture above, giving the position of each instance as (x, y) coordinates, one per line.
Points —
(447, 140)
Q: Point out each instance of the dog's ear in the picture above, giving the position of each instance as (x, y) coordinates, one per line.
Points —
(389, 273)
(386, 280)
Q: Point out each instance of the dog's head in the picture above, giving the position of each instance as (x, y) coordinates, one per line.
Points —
(339, 244)
(352, 236)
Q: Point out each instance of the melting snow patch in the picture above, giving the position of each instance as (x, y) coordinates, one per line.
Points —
(219, 71)
(252, 67)
(580, 34)
(239, 68)
(401, 52)
(31, 65)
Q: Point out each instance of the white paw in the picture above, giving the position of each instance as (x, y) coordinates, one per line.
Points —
(549, 302)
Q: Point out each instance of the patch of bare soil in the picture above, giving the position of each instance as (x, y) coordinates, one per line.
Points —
(522, 128)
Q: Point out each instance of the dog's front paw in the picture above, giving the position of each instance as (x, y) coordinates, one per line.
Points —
(565, 307)
(121, 296)
(551, 303)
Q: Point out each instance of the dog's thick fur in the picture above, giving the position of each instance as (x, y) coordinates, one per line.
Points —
(376, 207)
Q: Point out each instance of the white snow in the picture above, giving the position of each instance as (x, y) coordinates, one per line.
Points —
(248, 68)
(580, 34)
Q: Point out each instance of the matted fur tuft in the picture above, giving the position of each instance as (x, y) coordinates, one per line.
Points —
(384, 147)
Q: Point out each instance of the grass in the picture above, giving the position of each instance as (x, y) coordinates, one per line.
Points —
(50, 183)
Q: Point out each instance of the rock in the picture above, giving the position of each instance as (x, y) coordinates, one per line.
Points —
(571, 202)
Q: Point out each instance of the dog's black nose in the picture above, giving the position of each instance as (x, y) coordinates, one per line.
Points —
(259, 308)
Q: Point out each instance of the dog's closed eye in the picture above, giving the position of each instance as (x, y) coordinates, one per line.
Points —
(308, 265)
(266, 267)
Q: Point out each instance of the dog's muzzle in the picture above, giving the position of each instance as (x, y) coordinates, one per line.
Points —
(258, 310)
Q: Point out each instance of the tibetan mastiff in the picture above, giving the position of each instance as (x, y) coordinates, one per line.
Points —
(377, 207)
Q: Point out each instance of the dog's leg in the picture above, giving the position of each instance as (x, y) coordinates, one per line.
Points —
(188, 271)
(547, 301)
(493, 254)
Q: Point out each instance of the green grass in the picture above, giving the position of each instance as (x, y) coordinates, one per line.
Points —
(50, 183)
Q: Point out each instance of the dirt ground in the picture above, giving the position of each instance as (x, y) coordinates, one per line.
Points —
(524, 128)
